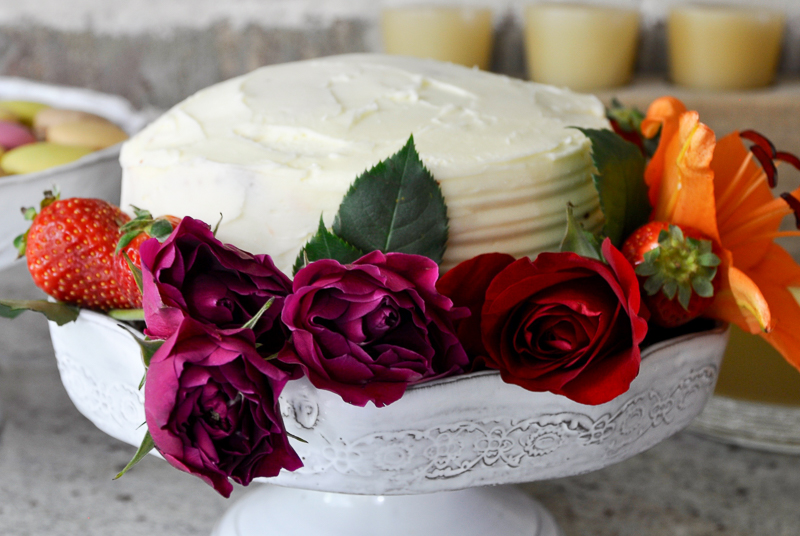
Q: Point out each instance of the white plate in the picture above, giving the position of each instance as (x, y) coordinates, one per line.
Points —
(95, 175)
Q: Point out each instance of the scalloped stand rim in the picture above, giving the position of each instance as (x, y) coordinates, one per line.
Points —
(272, 510)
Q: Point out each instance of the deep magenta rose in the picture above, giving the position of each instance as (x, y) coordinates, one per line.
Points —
(566, 324)
(369, 329)
(194, 274)
(211, 403)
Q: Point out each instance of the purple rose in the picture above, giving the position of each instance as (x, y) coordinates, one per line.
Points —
(211, 403)
(194, 274)
(369, 329)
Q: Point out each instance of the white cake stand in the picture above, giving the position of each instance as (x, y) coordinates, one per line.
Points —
(422, 465)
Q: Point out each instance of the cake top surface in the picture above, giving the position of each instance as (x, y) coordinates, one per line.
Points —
(324, 114)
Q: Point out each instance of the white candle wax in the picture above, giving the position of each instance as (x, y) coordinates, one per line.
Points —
(460, 35)
(724, 47)
(582, 46)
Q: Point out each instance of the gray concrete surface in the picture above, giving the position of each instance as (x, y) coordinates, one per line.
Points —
(57, 467)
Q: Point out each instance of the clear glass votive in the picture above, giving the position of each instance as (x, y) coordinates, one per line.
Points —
(460, 35)
(581, 46)
(724, 47)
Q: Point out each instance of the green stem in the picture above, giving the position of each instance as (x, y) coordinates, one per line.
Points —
(126, 314)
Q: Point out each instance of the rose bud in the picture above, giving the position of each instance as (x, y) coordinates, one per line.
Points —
(566, 324)
(211, 404)
(369, 329)
(194, 274)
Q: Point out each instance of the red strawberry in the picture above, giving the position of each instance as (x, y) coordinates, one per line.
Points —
(69, 249)
(677, 270)
(133, 234)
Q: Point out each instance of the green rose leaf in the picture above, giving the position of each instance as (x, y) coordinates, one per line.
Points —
(251, 324)
(397, 206)
(146, 446)
(619, 179)
(148, 348)
(326, 245)
(57, 312)
(579, 241)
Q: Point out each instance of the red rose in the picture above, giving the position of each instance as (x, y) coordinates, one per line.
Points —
(466, 284)
(562, 323)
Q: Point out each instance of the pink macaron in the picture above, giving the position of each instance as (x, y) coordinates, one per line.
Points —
(13, 135)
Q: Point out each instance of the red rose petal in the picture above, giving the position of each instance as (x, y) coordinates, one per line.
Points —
(466, 285)
(566, 324)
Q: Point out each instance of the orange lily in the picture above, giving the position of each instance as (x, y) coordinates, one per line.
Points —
(717, 188)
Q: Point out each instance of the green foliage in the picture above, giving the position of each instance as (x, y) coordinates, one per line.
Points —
(579, 241)
(146, 446)
(57, 312)
(251, 324)
(619, 179)
(326, 245)
(395, 206)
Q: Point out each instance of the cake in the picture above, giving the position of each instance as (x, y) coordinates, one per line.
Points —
(271, 151)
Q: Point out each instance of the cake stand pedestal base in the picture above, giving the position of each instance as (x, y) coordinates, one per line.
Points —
(271, 511)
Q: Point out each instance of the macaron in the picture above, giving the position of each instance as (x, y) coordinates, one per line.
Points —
(93, 134)
(13, 135)
(25, 111)
(5, 115)
(50, 117)
(40, 156)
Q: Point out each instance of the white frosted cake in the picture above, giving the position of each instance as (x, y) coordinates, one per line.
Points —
(274, 149)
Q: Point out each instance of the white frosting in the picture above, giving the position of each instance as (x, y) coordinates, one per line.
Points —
(274, 149)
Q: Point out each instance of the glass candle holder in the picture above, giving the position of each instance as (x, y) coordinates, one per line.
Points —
(460, 35)
(581, 46)
(724, 47)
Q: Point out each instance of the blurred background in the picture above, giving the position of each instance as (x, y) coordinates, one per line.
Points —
(156, 53)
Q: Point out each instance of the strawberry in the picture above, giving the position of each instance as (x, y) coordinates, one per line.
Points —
(69, 249)
(133, 234)
(677, 270)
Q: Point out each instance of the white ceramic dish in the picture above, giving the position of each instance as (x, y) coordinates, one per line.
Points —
(446, 435)
(95, 175)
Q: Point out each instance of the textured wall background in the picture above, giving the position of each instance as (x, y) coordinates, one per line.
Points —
(156, 53)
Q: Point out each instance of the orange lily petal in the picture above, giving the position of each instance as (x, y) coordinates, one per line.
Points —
(718, 189)
(746, 206)
(778, 277)
(729, 155)
(686, 194)
(739, 299)
(663, 114)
